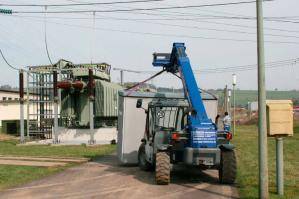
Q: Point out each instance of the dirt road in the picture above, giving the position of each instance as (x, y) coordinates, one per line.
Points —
(105, 179)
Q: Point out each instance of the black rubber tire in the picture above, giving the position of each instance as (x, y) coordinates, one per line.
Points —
(162, 168)
(228, 167)
(142, 162)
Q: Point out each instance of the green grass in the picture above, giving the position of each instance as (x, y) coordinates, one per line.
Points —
(10, 147)
(246, 143)
(11, 176)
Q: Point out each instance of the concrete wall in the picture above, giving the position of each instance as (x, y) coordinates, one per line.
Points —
(82, 136)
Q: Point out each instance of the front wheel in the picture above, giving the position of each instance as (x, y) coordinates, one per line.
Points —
(228, 167)
(142, 162)
(162, 168)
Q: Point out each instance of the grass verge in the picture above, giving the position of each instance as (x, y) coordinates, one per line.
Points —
(246, 143)
(10, 147)
(11, 176)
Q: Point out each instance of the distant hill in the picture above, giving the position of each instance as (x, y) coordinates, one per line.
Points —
(242, 96)
(245, 96)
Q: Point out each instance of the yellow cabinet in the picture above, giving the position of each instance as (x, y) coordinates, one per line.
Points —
(280, 118)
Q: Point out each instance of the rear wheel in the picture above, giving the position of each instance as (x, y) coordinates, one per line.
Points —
(228, 167)
(162, 168)
(142, 162)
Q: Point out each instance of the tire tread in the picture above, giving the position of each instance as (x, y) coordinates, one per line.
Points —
(162, 168)
(228, 167)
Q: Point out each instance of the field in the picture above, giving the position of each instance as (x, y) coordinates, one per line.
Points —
(15, 175)
(246, 143)
(245, 96)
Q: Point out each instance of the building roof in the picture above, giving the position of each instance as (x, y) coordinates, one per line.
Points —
(9, 91)
(13, 91)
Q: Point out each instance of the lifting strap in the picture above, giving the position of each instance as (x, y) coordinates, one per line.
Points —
(136, 86)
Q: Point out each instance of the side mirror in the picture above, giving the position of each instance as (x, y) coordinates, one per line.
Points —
(139, 103)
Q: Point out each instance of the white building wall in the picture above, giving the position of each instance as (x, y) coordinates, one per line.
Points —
(8, 96)
(10, 106)
(11, 111)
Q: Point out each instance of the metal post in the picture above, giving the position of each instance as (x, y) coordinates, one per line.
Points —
(55, 141)
(91, 123)
(21, 91)
(262, 129)
(229, 101)
(234, 117)
(28, 110)
(56, 100)
(225, 99)
(121, 77)
(279, 165)
(59, 91)
(249, 110)
(234, 102)
(91, 100)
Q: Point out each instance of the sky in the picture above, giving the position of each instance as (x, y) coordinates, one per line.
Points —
(215, 37)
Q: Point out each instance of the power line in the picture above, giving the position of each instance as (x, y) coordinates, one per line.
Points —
(274, 64)
(247, 26)
(149, 9)
(273, 19)
(249, 67)
(3, 57)
(237, 16)
(171, 35)
(46, 43)
(194, 19)
(149, 21)
(79, 4)
(142, 9)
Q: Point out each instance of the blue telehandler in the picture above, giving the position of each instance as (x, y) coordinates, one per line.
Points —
(179, 130)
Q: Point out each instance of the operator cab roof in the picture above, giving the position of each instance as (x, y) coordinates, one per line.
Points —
(169, 102)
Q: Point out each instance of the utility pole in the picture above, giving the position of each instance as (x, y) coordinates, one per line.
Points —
(262, 129)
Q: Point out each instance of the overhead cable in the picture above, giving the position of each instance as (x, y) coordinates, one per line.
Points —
(79, 4)
(273, 64)
(172, 35)
(11, 66)
(150, 21)
(142, 9)
(45, 39)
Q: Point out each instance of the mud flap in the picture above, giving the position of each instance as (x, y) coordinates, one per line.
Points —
(227, 147)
